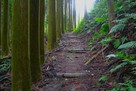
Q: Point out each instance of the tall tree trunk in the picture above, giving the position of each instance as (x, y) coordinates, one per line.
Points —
(70, 15)
(65, 18)
(34, 40)
(74, 13)
(41, 29)
(111, 12)
(78, 18)
(52, 43)
(71, 18)
(21, 74)
(62, 16)
(85, 8)
(58, 19)
(5, 47)
(0, 28)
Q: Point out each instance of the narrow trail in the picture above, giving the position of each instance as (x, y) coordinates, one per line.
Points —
(66, 70)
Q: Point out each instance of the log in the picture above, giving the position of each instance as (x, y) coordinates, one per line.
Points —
(77, 51)
(70, 75)
(96, 55)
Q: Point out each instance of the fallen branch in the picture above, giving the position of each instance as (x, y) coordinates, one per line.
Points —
(96, 55)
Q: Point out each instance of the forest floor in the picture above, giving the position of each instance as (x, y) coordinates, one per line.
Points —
(64, 69)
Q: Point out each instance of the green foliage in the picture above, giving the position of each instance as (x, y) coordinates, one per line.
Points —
(96, 35)
(121, 21)
(80, 26)
(128, 85)
(131, 16)
(131, 44)
(118, 67)
(118, 27)
(4, 66)
(104, 28)
(118, 42)
(103, 78)
(100, 20)
(106, 40)
(126, 60)
(125, 20)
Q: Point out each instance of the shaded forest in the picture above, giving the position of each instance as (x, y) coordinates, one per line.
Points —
(45, 45)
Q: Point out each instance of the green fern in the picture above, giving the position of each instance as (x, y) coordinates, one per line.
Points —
(103, 78)
(117, 27)
(118, 67)
(132, 15)
(131, 44)
(121, 21)
(100, 20)
(133, 62)
(104, 28)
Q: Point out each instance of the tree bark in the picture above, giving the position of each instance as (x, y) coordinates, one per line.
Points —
(111, 12)
(0, 27)
(41, 28)
(21, 74)
(62, 16)
(74, 13)
(85, 8)
(52, 43)
(34, 40)
(65, 18)
(4, 38)
(58, 20)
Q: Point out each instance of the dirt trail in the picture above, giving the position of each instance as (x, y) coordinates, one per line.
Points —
(69, 58)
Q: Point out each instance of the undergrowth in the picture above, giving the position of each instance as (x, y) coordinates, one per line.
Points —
(121, 38)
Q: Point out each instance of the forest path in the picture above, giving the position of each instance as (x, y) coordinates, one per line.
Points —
(65, 69)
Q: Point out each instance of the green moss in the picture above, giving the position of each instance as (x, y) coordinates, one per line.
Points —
(21, 77)
(34, 40)
(5, 49)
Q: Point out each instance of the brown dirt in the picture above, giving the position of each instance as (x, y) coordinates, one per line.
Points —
(70, 57)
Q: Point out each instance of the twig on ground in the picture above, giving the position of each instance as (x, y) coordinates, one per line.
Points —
(96, 55)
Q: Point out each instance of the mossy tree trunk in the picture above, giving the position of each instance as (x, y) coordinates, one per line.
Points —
(41, 28)
(21, 74)
(74, 13)
(58, 20)
(34, 40)
(52, 43)
(4, 38)
(111, 12)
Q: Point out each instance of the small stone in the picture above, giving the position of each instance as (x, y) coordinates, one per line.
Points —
(92, 74)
